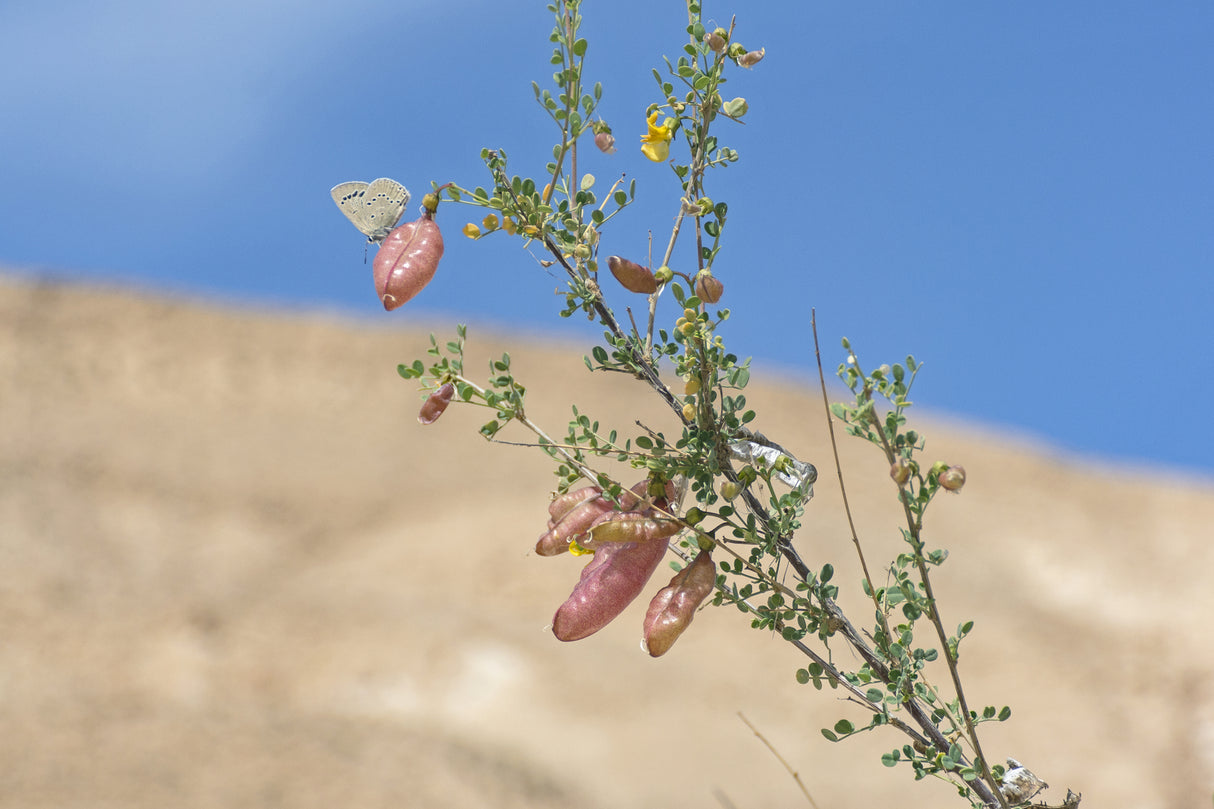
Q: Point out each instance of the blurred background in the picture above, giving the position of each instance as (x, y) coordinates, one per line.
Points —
(235, 571)
(1021, 197)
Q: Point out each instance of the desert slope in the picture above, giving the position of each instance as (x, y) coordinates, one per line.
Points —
(235, 571)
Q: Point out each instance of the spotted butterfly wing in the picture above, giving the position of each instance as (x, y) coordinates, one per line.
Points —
(373, 207)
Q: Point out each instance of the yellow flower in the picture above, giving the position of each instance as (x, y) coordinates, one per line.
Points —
(655, 144)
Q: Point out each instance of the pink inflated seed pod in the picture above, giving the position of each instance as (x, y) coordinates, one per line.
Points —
(675, 604)
(406, 260)
(575, 523)
(434, 406)
(616, 576)
(563, 504)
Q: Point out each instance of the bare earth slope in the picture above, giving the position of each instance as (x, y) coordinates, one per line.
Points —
(235, 571)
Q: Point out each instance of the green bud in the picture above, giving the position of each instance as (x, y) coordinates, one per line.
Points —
(900, 471)
(735, 108)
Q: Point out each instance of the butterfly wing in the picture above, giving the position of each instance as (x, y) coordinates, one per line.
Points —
(348, 197)
(382, 205)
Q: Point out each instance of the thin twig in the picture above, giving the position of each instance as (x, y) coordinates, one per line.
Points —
(834, 446)
(795, 776)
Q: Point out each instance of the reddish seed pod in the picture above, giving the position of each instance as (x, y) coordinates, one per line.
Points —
(953, 478)
(574, 524)
(406, 261)
(573, 513)
(605, 141)
(675, 605)
(632, 276)
(609, 583)
(562, 505)
(708, 288)
(434, 406)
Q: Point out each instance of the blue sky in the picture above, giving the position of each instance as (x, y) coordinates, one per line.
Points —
(1021, 195)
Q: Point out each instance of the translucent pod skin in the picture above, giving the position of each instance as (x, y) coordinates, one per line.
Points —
(562, 505)
(675, 604)
(434, 406)
(573, 513)
(407, 260)
(573, 525)
(629, 526)
(609, 583)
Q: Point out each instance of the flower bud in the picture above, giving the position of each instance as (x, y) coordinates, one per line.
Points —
(708, 288)
(716, 40)
(434, 406)
(663, 274)
(952, 478)
(692, 386)
(900, 471)
(632, 276)
(689, 412)
(735, 108)
(730, 490)
(751, 58)
(675, 605)
(737, 50)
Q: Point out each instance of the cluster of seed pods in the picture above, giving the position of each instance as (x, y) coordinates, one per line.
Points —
(628, 541)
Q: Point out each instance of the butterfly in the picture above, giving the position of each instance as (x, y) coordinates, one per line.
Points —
(373, 207)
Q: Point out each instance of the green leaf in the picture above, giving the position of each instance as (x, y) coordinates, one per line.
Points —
(802, 676)
(579, 47)
(844, 727)
(830, 736)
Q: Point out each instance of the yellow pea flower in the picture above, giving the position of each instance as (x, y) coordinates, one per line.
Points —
(655, 144)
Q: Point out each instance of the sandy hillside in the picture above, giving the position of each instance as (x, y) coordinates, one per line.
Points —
(235, 571)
